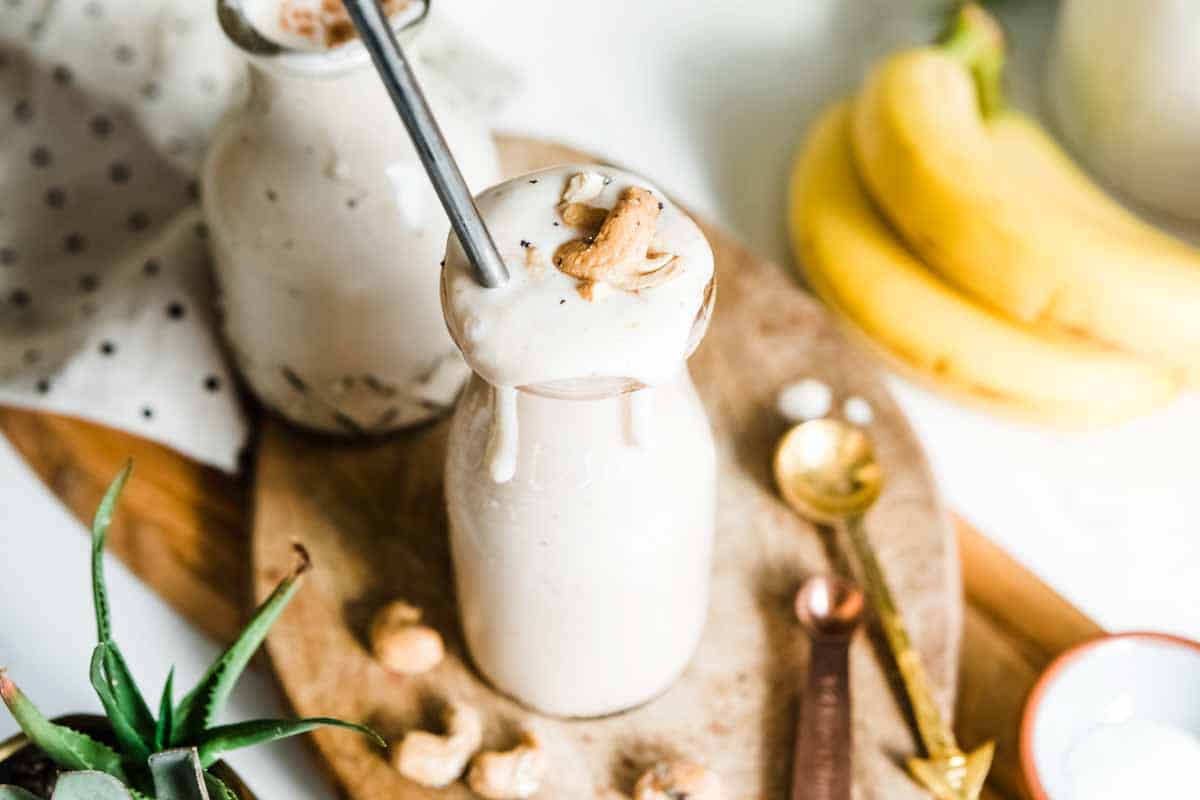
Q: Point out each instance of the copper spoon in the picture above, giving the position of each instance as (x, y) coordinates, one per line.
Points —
(830, 609)
(826, 471)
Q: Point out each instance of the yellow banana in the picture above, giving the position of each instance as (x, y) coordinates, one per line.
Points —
(1032, 157)
(1016, 234)
(860, 268)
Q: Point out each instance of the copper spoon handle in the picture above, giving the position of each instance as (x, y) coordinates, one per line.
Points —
(821, 768)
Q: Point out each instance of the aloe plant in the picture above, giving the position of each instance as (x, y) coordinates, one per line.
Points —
(188, 723)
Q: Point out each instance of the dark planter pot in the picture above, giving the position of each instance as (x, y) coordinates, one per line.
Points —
(23, 764)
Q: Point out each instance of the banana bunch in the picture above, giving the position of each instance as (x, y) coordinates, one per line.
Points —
(960, 238)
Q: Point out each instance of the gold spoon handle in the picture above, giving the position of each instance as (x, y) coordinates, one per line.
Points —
(936, 735)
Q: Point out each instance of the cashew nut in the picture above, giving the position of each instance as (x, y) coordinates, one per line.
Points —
(401, 644)
(436, 761)
(671, 780)
(657, 270)
(581, 215)
(624, 237)
(583, 186)
(511, 775)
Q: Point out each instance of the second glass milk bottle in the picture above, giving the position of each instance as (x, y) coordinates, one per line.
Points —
(326, 231)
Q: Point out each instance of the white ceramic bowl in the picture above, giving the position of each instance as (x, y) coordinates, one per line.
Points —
(1116, 712)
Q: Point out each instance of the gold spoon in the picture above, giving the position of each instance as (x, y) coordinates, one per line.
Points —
(826, 471)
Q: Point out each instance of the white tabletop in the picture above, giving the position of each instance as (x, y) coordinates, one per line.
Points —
(708, 99)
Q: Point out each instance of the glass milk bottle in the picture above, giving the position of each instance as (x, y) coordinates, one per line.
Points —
(326, 232)
(580, 475)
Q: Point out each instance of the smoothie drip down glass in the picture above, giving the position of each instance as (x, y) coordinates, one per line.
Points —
(580, 476)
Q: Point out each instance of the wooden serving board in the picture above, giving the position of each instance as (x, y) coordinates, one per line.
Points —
(371, 516)
(184, 529)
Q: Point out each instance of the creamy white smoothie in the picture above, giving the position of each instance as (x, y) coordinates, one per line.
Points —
(581, 473)
(327, 238)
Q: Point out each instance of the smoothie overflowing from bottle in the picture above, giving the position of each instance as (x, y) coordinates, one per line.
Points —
(581, 469)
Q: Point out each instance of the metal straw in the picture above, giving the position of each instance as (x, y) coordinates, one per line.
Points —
(431, 146)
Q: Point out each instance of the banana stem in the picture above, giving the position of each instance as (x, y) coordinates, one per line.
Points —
(975, 38)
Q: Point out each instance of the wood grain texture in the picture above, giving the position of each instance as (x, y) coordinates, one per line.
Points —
(184, 529)
(1014, 623)
(1015, 626)
(372, 517)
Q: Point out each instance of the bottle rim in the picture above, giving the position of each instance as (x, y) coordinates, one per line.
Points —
(241, 32)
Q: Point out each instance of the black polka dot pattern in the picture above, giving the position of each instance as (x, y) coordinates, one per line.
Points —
(56, 197)
(94, 183)
(119, 172)
(138, 221)
(74, 243)
(101, 126)
(41, 156)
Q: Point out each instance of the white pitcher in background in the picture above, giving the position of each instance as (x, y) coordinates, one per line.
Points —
(1125, 92)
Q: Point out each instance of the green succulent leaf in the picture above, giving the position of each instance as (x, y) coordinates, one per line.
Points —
(16, 793)
(220, 740)
(124, 690)
(200, 707)
(178, 775)
(135, 748)
(100, 523)
(68, 748)
(217, 790)
(162, 731)
(89, 786)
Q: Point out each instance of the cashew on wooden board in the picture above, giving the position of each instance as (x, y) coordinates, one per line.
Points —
(509, 775)
(439, 760)
(668, 780)
(401, 644)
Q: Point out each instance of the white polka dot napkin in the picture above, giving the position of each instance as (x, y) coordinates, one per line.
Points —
(105, 290)
(106, 296)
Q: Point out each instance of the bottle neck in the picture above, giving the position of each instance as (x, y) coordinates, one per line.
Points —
(271, 77)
